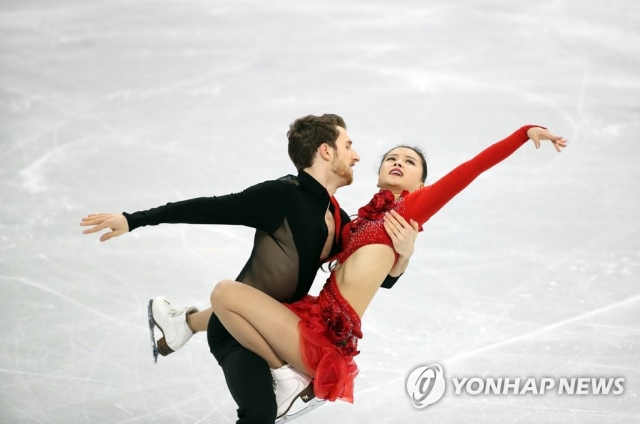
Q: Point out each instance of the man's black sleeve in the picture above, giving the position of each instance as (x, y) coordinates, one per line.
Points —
(260, 206)
(390, 281)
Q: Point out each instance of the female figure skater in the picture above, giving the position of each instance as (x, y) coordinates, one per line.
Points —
(319, 335)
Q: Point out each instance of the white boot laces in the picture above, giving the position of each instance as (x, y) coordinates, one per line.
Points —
(166, 306)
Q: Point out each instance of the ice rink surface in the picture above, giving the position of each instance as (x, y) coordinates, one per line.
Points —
(533, 271)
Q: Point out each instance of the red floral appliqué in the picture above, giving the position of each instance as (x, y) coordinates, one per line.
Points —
(339, 328)
(381, 203)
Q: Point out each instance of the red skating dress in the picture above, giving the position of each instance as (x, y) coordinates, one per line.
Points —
(329, 326)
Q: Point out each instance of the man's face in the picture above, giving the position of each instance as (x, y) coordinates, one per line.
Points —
(344, 158)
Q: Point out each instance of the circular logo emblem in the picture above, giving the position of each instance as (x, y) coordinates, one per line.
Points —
(425, 385)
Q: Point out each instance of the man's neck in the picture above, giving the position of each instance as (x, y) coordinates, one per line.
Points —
(329, 182)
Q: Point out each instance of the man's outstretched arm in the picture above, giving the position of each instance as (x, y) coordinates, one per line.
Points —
(260, 206)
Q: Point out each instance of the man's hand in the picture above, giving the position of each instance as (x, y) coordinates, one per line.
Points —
(115, 221)
(403, 235)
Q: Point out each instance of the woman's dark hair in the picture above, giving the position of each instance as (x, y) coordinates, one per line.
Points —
(306, 134)
(416, 149)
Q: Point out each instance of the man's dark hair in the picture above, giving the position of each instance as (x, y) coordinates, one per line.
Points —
(306, 134)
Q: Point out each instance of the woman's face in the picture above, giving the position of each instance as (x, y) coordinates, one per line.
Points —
(401, 169)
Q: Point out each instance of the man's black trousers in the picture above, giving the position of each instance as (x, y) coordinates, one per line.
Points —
(248, 376)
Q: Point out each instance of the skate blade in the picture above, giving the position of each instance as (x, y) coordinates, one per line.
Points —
(154, 346)
(311, 405)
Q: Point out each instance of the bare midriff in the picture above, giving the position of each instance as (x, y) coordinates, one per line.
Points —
(360, 276)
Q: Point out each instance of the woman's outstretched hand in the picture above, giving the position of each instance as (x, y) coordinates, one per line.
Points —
(115, 221)
(536, 134)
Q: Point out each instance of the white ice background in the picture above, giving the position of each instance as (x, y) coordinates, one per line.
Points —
(110, 106)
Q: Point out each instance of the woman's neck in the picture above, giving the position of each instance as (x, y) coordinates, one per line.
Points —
(396, 191)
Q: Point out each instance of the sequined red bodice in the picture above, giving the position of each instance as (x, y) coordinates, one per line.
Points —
(368, 227)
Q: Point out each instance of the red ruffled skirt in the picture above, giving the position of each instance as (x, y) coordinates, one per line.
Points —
(329, 333)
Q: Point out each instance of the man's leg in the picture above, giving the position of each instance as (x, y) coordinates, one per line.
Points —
(248, 376)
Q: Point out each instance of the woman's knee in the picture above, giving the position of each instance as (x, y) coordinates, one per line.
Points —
(221, 293)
